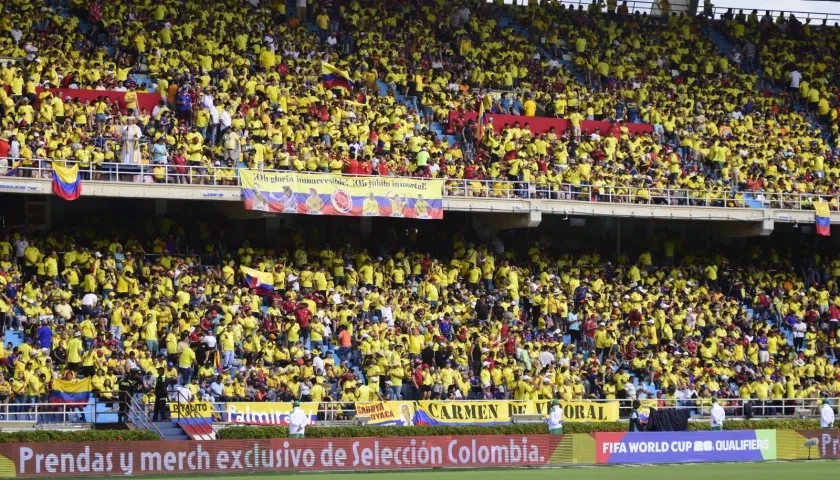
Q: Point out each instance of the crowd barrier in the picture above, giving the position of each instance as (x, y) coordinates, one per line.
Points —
(200, 176)
(52, 460)
(424, 412)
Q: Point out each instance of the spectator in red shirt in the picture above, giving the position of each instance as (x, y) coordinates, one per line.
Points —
(302, 315)
(351, 167)
(382, 168)
(365, 168)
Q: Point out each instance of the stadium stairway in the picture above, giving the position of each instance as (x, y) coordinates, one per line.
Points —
(171, 431)
(15, 337)
(84, 25)
(751, 202)
(723, 45)
(523, 32)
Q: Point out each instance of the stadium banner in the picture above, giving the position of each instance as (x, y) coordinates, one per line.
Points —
(679, 447)
(430, 412)
(194, 418)
(191, 410)
(790, 444)
(86, 459)
(266, 413)
(386, 413)
(541, 124)
(333, 194)
(145, 101)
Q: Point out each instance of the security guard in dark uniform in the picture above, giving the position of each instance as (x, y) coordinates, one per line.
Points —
(161, 394)
(127, 386)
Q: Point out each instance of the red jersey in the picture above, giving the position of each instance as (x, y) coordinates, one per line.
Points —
(352, 167)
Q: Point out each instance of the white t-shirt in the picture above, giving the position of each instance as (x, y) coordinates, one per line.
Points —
(546, 358)
(20, 246)
(795, 78)
(183, 394)
(799, 330)
(298, 420)
(89, 300)
(555, 418)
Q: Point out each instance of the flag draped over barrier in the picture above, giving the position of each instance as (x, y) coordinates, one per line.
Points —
(822, 217)
(70, 392)
(333, 194)
(66, 181)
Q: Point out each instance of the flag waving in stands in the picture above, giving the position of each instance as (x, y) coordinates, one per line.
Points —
(361, 100)
(482, 118)
(263, 282)
(822, 217)
(11, 172)
(334, 77)
(66, 181)
(70, 392)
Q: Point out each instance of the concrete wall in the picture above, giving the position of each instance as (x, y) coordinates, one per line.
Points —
(512, 212)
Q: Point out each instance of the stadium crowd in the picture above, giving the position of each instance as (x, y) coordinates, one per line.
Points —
(417, 315)
(239, 93)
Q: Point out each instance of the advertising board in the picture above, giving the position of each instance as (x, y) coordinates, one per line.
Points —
(679, 447)
(52, 460)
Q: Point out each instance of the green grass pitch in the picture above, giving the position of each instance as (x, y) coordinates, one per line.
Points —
(721, 471)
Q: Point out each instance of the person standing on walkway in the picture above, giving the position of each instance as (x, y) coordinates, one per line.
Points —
(826, 415)
(161, 394)
(717, 415)
(555, 419)
(298, 420)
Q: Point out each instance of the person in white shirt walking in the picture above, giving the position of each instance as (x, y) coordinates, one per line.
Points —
(826, 415)
(298, 420)
(555, 419)
(717, 416)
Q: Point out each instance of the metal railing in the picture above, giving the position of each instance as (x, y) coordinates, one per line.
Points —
(139, 417)
(47, 413)
(724, 197)
(40, 415)
(699, 407)
(677, 6)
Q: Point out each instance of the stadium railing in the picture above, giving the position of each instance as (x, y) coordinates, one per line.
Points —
(26, 416)
(43, 415)
(678, 6)
(780, 408)
(185, 176)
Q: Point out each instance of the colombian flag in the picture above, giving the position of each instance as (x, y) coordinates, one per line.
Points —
(67, 182)
(334, 77)
(69, 392)
(262, 281)
(15, 167)
(822, 217)
(194, 418)
(482, 118)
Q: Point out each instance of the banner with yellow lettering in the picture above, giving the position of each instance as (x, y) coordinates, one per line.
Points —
(332, 194)
(501, 412)
(387, 413)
